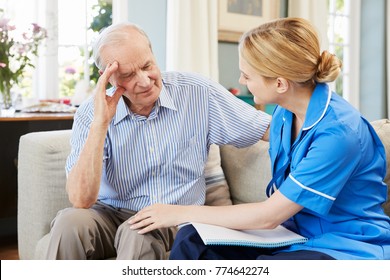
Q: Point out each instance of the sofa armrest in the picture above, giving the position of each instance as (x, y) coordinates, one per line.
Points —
(41, 185)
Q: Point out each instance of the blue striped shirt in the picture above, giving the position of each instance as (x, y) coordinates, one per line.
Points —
(161, 158)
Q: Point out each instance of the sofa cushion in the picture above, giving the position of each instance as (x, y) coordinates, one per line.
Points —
(217, 190)
(247, 171)
(382, 128)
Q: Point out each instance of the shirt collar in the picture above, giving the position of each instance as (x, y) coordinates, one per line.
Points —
(164, 100)
(121, 111)
(319, 103)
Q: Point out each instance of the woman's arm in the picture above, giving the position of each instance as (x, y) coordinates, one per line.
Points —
(261, 215)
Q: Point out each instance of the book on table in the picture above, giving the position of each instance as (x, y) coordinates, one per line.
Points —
(264, 238)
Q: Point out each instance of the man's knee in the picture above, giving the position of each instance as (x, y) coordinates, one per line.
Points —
(132, 245)
(71, 220)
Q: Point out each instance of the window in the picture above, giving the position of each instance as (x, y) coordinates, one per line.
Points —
(65, 56)
(343, 35)
(74, 48)
(21, 21)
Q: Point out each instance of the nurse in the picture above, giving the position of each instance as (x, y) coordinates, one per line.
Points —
(328, 164)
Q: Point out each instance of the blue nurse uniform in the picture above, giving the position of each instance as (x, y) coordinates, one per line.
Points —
(334, 169)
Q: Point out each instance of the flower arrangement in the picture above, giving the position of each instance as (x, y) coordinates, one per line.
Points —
(17, 50)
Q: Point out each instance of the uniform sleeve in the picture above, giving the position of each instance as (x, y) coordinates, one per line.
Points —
(232, 121)
(317, 179)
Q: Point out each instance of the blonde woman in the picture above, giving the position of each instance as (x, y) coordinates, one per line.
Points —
(328, 163)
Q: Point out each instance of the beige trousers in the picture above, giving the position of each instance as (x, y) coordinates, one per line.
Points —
(102, 232)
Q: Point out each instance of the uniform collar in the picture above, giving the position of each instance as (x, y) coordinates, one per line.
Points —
(164, 100)
(319, 103)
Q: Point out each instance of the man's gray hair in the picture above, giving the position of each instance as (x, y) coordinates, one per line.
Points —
(113, 35)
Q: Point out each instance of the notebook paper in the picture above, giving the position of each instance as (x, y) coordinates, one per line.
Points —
(265, 238)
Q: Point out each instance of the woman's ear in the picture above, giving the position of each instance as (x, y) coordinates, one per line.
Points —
(282, 85)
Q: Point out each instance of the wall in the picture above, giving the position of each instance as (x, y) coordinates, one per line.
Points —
(373, 59)
(151, 16)
(229, 72)
(373, 73)
(153, 21)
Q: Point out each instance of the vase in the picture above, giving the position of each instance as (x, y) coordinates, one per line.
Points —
(6, 108)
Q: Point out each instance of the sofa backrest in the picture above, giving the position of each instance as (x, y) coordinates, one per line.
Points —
(382, 128)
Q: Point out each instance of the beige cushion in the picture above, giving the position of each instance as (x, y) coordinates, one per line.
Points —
(382, 128)
(247, 171)
(217, 190)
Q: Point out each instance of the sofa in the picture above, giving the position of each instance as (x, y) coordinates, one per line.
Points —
(233, 176)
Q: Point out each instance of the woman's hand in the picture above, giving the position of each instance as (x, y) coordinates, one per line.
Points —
(156, 216)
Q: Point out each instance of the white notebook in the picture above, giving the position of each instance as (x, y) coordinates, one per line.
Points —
(265, 238)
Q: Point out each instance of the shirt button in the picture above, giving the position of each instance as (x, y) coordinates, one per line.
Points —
(151, 149)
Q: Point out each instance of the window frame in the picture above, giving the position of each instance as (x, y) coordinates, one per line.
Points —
(351, 81)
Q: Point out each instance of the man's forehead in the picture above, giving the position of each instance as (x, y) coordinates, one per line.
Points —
(127, 57)
(130, 66)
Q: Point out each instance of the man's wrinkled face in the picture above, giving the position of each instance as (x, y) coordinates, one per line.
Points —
(137, 73)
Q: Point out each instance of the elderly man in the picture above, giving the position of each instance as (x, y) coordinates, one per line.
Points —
(142, 142)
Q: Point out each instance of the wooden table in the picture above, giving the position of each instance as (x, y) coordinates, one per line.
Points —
(18, 117)
(11, 128)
